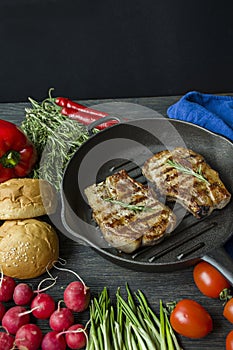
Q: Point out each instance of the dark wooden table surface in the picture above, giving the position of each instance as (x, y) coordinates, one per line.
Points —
(98, 272)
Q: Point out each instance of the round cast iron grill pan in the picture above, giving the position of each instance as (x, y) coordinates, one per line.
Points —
(127, 146)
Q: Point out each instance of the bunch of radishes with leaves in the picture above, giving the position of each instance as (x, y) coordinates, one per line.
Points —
(18, 330)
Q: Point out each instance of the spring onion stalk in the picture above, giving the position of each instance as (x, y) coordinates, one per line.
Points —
(151, 320)
(148, 314)
(151, 329)
(114, 329)
(100, 339)
(106, 331)
(133, 342)
(168, 336)
(128, 337)
(142, 338)
(172, 333)
(130, 299)
(131, 325)
(162, 327)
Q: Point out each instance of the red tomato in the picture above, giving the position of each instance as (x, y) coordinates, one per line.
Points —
(209, 280)
(190, 319)
(228, 310)
(229, 341)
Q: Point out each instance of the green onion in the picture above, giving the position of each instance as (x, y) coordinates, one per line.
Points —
(168, 335)
(130, 325)
(162, 327)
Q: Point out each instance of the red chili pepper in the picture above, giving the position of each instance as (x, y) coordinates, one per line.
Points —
(66, 102)
(17, 153)
(86, 118)
(82, 114)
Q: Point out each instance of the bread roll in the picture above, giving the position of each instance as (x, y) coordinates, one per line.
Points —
(26, 198)
(27, 248)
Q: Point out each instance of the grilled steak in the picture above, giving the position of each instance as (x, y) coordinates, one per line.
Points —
(184, 176)
(128, 213)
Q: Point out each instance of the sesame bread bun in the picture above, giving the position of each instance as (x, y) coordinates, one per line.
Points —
(27, 248)
(26, 198)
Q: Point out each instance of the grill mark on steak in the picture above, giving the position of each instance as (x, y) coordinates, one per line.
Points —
(123, 228)
(198, 197)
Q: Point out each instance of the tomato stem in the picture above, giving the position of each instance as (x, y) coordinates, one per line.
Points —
(170, 306)
(225, 295)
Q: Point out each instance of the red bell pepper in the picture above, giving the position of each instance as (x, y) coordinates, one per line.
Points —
(17, 154)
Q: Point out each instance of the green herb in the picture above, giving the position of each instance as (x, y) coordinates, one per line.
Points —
(186, 170)
(55, 137)
(132, 325)
(129, 206)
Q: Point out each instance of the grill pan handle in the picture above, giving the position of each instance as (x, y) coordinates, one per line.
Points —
(100, 121)
(220, 259)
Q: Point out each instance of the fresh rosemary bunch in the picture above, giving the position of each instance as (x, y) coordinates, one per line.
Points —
(198, 174)
(55, 137)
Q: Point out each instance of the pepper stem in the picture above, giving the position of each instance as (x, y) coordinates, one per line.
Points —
(10, 159)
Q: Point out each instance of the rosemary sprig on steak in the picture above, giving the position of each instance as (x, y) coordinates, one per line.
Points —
(129, 206)
(186, 170)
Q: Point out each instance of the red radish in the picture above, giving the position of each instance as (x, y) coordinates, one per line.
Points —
(28, 337)
(7, 286)
(14, 318)
(2, 310)
(42, 306)
(6, 341)
(53, 341)
(23, 294)
(76, 337)
(61, 319)
(77, 296)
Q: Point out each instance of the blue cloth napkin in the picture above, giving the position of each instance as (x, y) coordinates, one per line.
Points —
(212, 112)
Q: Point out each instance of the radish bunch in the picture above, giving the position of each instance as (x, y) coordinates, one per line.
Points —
(18, 329)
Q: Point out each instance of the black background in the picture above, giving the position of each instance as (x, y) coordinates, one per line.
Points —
(108, 49)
